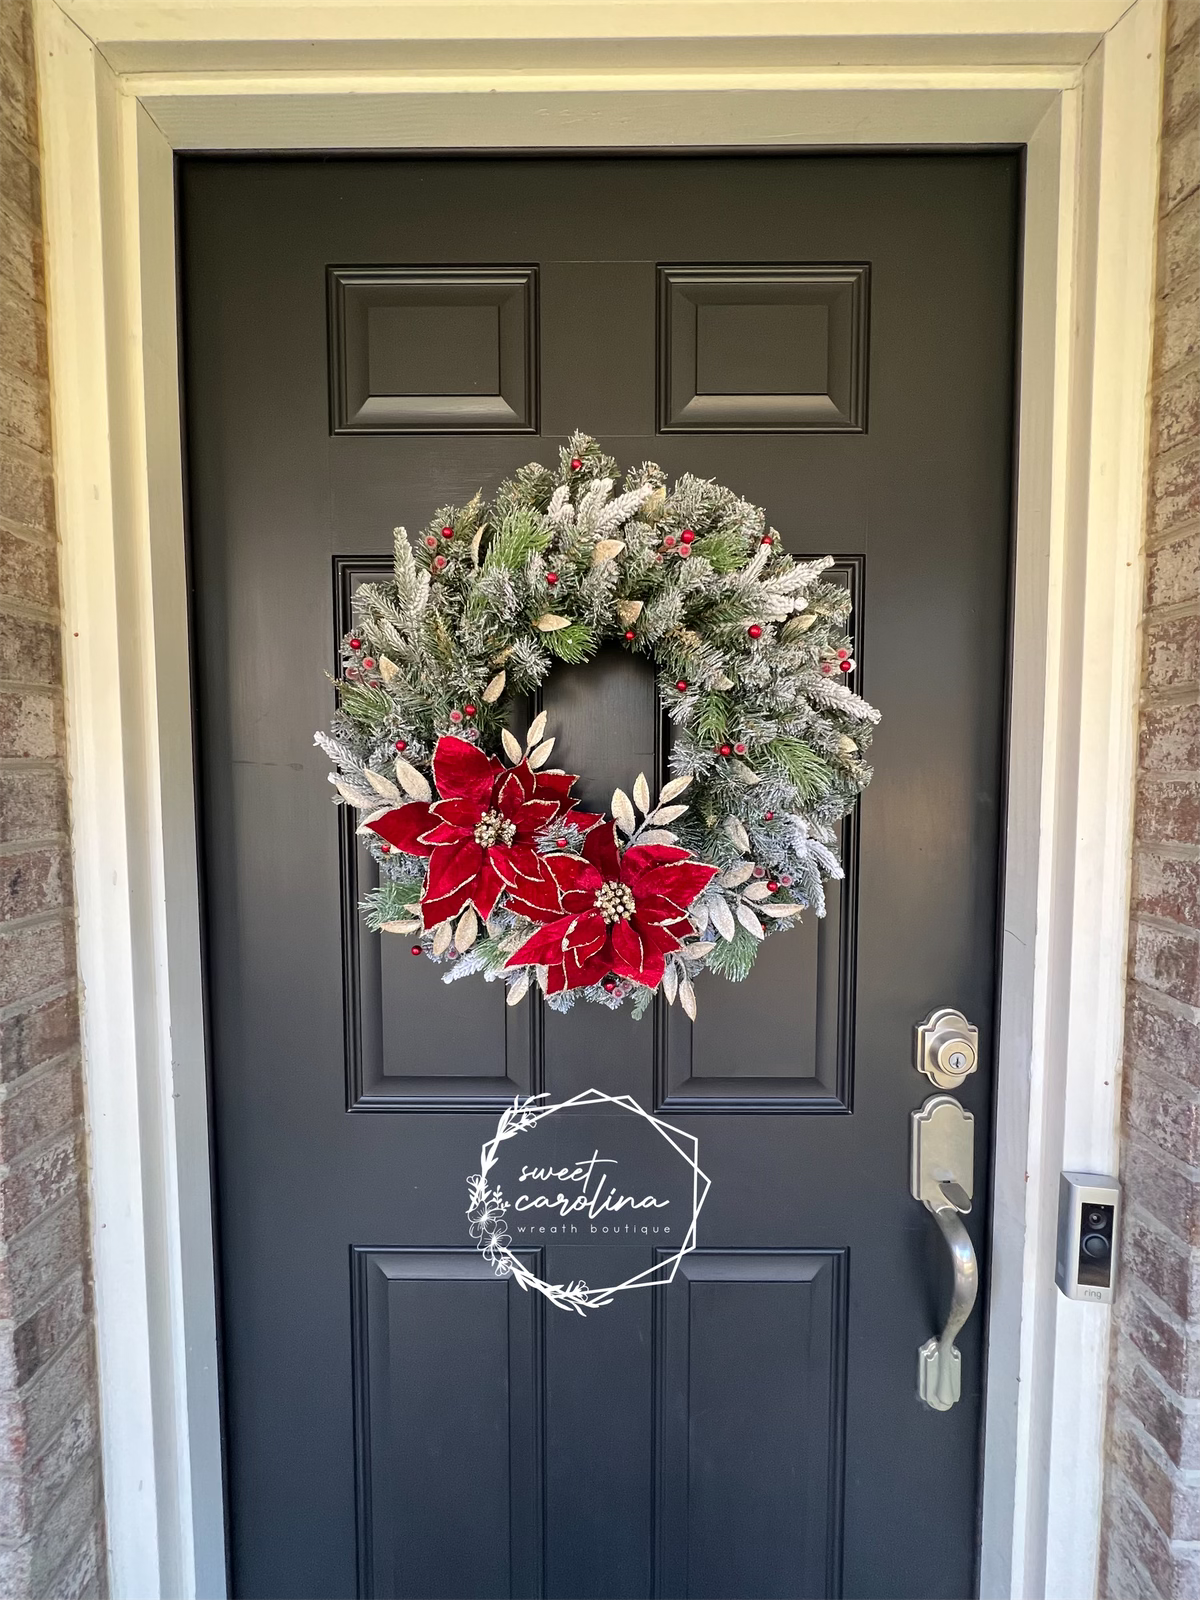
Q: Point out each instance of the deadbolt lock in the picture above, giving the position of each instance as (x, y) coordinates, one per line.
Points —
(947, 1048)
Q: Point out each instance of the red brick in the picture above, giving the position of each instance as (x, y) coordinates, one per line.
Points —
(1157, 1038)
(1167, 812)
(26, 490)
(39, 1181)
(38, 1035)
(1167, 961)
(28, 571)
(1179, 245)
(38, 1106)
(21, 262)
(1171, 1118)
(51, 1327)
(20, 187)
(1171, 1569)
(1175, 416)
(29, 651)
(1182, 17)
(1163, 1263)
(34, 881)
(1165, 1345)
(16, 73)
(1174, 491)
(1176, 334)
(1181, 84)
(25, 410)
(1172, 1502)
(23, 335)
(1166, 887)
(1120, 1576)
(1169, 1196)
(56, 1392)
(1173, 571)
(47, 1476)
(43, 1255)
(1180, 166)
(1173, 653)
(34, 957)
(1169, 738)
(81, 1575)
(33, 804)
(58, 1537)
(30, 725)
(1172, 1423)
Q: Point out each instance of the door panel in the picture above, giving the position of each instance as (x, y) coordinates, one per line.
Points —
(399, 1421)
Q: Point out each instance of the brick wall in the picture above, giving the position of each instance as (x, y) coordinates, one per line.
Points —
(51, 1531)
(1152, 1511)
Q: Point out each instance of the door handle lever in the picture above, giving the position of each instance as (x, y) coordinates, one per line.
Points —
(942, 1179)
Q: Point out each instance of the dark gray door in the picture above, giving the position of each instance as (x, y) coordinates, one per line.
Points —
(398, 1420)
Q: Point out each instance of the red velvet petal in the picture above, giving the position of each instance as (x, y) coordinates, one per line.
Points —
(448, 833)
(587, 934)
(600, 848)
(463, 771)
(531, 816)
(461, 813)
(543, 947)
(554, 786)
(488, 887)
(585, 821)
(580, 973)
(517, 865)
(681, 883)
(629, 950)
(514, 789)
(404, 826)
(453, 867)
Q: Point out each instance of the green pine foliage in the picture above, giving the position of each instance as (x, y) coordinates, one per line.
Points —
(686, 575)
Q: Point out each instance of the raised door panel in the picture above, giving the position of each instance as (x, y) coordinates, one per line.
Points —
(750, 1425)
(448, 1374)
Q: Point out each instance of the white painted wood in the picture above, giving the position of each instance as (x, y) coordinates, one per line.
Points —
(222, 74)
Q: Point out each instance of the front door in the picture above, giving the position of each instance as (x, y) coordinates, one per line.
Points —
(367, 340)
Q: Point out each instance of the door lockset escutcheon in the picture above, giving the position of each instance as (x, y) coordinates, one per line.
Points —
(943, 1180)
(947, 1048)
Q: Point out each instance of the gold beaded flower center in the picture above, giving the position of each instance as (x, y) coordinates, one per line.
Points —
(492, 828)
(615, 902)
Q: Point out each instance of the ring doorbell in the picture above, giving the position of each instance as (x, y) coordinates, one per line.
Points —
(1088, 1208)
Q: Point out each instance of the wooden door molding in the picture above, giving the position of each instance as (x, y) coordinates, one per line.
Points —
(1077, 84)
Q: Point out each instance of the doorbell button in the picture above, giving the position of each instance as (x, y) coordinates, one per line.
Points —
(1085, 1263)
(947, 1048)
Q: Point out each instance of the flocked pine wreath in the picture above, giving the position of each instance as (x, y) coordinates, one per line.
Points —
(485, 861)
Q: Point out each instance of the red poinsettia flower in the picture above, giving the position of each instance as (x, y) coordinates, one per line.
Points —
(479, 834)
(615, 912)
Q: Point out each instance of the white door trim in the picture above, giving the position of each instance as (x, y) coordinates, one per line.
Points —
(124, 83)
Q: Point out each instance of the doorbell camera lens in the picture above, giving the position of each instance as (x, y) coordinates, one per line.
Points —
(1095, 1246)
(1097, 1219)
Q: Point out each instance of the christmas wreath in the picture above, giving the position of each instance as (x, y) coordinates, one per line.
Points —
(484, 857)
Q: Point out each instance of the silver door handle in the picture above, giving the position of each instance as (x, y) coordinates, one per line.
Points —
(942, 1179)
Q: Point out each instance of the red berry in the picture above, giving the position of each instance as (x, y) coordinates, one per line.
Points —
(356, 644)
(842, 655)
(368, 661)
(576, 463)
(754, 631)
(669, 541)
(740, 748)
(786, 880)
(629, 633)
(610, 984)
(552, 577)
(469, 710)
(447, 533)
(352, 672)
(658, 555)
(560, 844)
(847, 666)
(430, 541)
(688, 536)
(827, 666)
(385, 849)
(416, 949)
(766, 539)
(401, 744)
(772, 885)
(760, 872)
(681, 685)
(768, 816)
(439, 562)
(456, 716)
(725, 750)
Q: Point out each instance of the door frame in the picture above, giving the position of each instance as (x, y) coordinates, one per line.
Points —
(126, 83)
